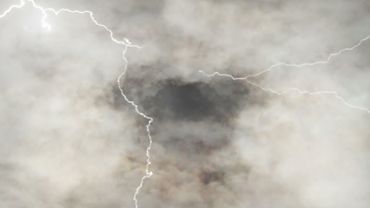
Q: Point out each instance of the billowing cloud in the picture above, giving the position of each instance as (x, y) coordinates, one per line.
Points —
(69, 139)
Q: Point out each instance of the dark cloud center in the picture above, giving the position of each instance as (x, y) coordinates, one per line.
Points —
(191, 117)
(185, 101)
(178, 100)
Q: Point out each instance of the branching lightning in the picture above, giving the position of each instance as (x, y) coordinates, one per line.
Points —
(290, 90)
(298, 66)
(125, 43)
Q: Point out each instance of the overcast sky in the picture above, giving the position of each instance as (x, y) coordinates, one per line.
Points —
(68, 139)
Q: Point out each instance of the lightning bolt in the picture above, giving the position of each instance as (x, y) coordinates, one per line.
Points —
(306, 64)
(298, 66)
(125, 44)
(290, 90)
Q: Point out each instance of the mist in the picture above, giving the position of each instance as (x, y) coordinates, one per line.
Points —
(69, 139)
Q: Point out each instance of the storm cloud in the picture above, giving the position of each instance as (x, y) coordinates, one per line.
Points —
(69, 139)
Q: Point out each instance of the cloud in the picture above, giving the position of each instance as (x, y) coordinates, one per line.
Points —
(68, 139)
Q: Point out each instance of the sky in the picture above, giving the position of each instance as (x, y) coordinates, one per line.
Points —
(223, 133)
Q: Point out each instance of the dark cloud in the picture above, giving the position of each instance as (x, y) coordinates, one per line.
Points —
(67, 138)
(184, 101)
(211, 176)
(194, 117)
(179, 100)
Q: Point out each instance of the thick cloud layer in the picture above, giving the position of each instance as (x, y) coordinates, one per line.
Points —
(68, 138)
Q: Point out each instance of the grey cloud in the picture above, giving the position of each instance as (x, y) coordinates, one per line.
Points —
(69, 140)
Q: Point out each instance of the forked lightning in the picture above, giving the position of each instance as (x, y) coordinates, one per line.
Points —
(298, 66)
(125, 43)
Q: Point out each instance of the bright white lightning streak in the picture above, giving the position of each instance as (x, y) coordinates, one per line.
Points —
(307, 64)
(299, 66)
(125, 44)
(290, 90)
